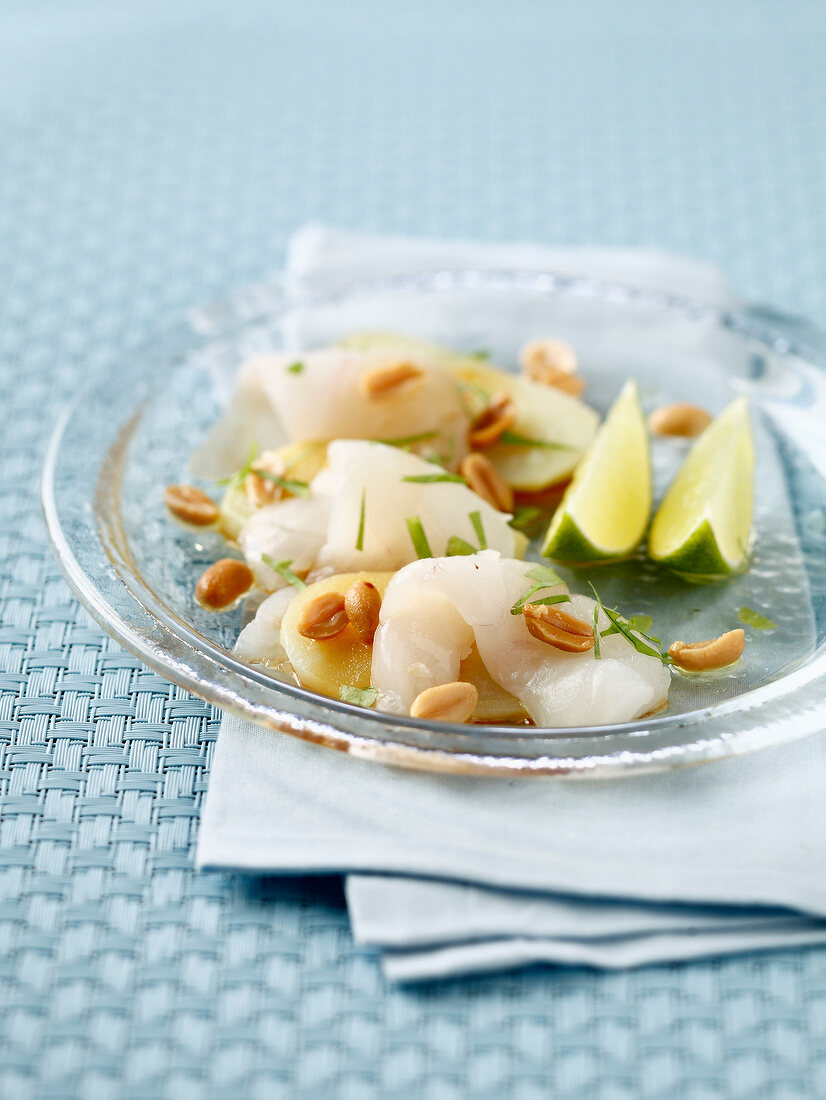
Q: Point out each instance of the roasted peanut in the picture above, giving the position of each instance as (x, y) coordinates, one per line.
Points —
(492, 422)
(679, 419)
(223, 583)
(552, 363)
(362, 603)
(486, 481)
(548, 624)
(454, 702)
(323, 617)
(387, 380)
(260, 488)
(704, 656)
(191, 504)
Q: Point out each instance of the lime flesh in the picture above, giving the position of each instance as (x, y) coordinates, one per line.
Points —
(703, 526)
(605, 510)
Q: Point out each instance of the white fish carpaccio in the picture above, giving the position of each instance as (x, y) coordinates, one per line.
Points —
(366, 481)
(326, 399)
(434, 610)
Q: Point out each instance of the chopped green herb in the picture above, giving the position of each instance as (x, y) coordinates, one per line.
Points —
(289, 484)
(457, 547)
(514, 439)
(407, 440)
(237, 478)
(529, 520)
(622, 626)
(551, 600)
(753, 618)
(295, 368)
(418, 537)
(643, 623)
(360, 535)
(432, 479)
(360, 697)
(543, 577)
(597, 653)
(476, 520)
(283, 570)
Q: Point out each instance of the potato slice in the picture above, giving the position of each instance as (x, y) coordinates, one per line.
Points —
(302, 460)
(495, 704)
(324, 666)
(564, 423)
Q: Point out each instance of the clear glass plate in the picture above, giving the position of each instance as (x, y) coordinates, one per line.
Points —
(133, 431)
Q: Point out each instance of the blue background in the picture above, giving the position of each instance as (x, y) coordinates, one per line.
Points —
(153, 155)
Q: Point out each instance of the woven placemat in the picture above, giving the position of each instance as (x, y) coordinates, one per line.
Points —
(156, 155)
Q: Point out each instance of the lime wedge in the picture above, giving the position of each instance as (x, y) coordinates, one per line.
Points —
(703, 526)
(605, 509)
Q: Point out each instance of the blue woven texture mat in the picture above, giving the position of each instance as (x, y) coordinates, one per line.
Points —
(155, 155)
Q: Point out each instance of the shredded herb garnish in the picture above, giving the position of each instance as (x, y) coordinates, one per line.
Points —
(529, 520)
(433, 479)
(543, 577)
(283, 570)
(295, 368)
(237, 478)
(458, 547)
(514, 439)
(753, 618)
(597, 653)
(476, 520)
(621, 625)
(360, 697)
(360, 535)
(407, 440)
(291, 485)
(418, 537)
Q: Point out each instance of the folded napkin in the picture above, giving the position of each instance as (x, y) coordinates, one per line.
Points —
(451, 874)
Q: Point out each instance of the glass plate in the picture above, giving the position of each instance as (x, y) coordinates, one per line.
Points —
(132, 432)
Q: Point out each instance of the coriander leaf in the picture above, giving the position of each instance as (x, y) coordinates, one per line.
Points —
(295, 368)
(620, 625)
(360, 535)
(643, 623)
(283, 570)
(237, 478)
(360, 697)
(544, 575)
(550, 600)
(476, 520)
(514, 439)
(597, 653)
(418, 537)
(529, 520)
(753, 618)
(432, 479)
(456, 547)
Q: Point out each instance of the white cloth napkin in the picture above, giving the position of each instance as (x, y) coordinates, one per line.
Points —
(453, 874)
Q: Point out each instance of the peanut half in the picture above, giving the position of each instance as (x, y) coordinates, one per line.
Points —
(554, 627)
(387, 380)
(492, 422)
(552, 363)
(223, 583)
(362, 603)
(259, 488)
(679, 419)
(486, 481)
(454, 702)
(704, 656)
(191, 504)
(323, 617)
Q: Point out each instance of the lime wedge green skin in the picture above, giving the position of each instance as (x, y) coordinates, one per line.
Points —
(702, 529)
(605, 510)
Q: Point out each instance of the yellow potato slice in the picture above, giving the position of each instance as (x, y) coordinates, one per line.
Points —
(563, 426)
(302, 461)
(495, 704)
(325, 666)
